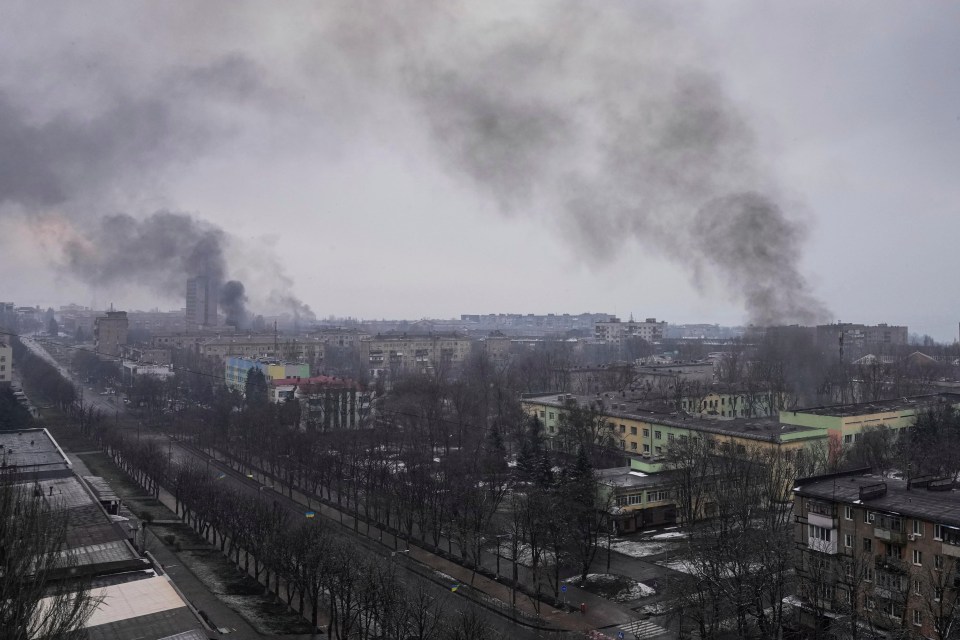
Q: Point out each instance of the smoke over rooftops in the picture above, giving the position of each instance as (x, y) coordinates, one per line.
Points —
(603, 121)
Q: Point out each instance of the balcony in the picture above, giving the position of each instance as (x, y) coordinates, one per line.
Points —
(892, 536)
(891, 564)
(821, 520)
(951, 549)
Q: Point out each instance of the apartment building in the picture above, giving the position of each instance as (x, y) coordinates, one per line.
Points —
(845, 423)
(326, 402)
(394, 354)
(237, 369)
(6, 363)
(635, 499)
(614, 331)
(880, 551)
(644, 435)
(110, 333)
(299, 348)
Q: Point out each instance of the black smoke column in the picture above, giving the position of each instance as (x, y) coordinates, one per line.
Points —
(233, 301)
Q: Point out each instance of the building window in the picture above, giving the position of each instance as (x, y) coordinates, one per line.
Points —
(847, 439)
(918, 527)
(633, 431)
(918, 587)
(917, 557)
(623, 444)
(659, 450)
(670, 437)
(938, 562)
(646, 448)
(917, 618)
(551, 415)
(820, 533)
(847, 540)
(848, 513)
(657, 435)
(543, 413)
(937, 594)
(868, 544)
(623, 429)
(633, 446)
(646, 433)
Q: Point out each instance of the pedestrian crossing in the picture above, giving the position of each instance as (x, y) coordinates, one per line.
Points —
(643, 630)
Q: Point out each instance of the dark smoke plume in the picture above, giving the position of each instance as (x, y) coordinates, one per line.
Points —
(602, 119)
(66, 164)
(160, 251)
(233, 302)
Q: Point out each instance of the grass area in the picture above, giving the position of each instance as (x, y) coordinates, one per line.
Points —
(136, 499)
(231, 585)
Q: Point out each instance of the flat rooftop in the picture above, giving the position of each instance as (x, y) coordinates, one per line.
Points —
(627, 478)
(31, 451)
(884, 406)
(769, 429)
(942, 507)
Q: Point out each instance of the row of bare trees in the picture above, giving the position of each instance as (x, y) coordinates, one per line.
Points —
(317, 571)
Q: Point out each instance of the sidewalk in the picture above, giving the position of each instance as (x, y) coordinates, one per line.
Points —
(192, 588)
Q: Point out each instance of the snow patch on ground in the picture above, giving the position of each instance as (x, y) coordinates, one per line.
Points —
(613, 587)
(670, 535)
(686, 566)
(524, 554)
(639, 548)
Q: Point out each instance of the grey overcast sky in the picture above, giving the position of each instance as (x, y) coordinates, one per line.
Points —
(715, 162)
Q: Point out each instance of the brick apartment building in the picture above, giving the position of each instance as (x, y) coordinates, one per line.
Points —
(878, 553)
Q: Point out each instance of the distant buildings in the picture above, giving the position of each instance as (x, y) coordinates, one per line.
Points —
(237, 370)
(110, 333)
(309, 349)
(614, 331)
(519, 324)
(859, 336)
(132, 370)
(202, 299)
(394, 354)
(325, 402)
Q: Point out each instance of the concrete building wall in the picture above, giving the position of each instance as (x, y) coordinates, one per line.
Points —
(416, 353)
(110, 333)
(202, 298)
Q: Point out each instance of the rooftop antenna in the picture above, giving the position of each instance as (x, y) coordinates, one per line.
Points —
(276, 345)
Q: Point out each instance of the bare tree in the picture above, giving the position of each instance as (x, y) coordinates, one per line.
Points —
(39, 596)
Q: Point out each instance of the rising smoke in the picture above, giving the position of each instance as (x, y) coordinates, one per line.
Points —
(233, 302)
(605, 120)
(592, 117)
(57, 174)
